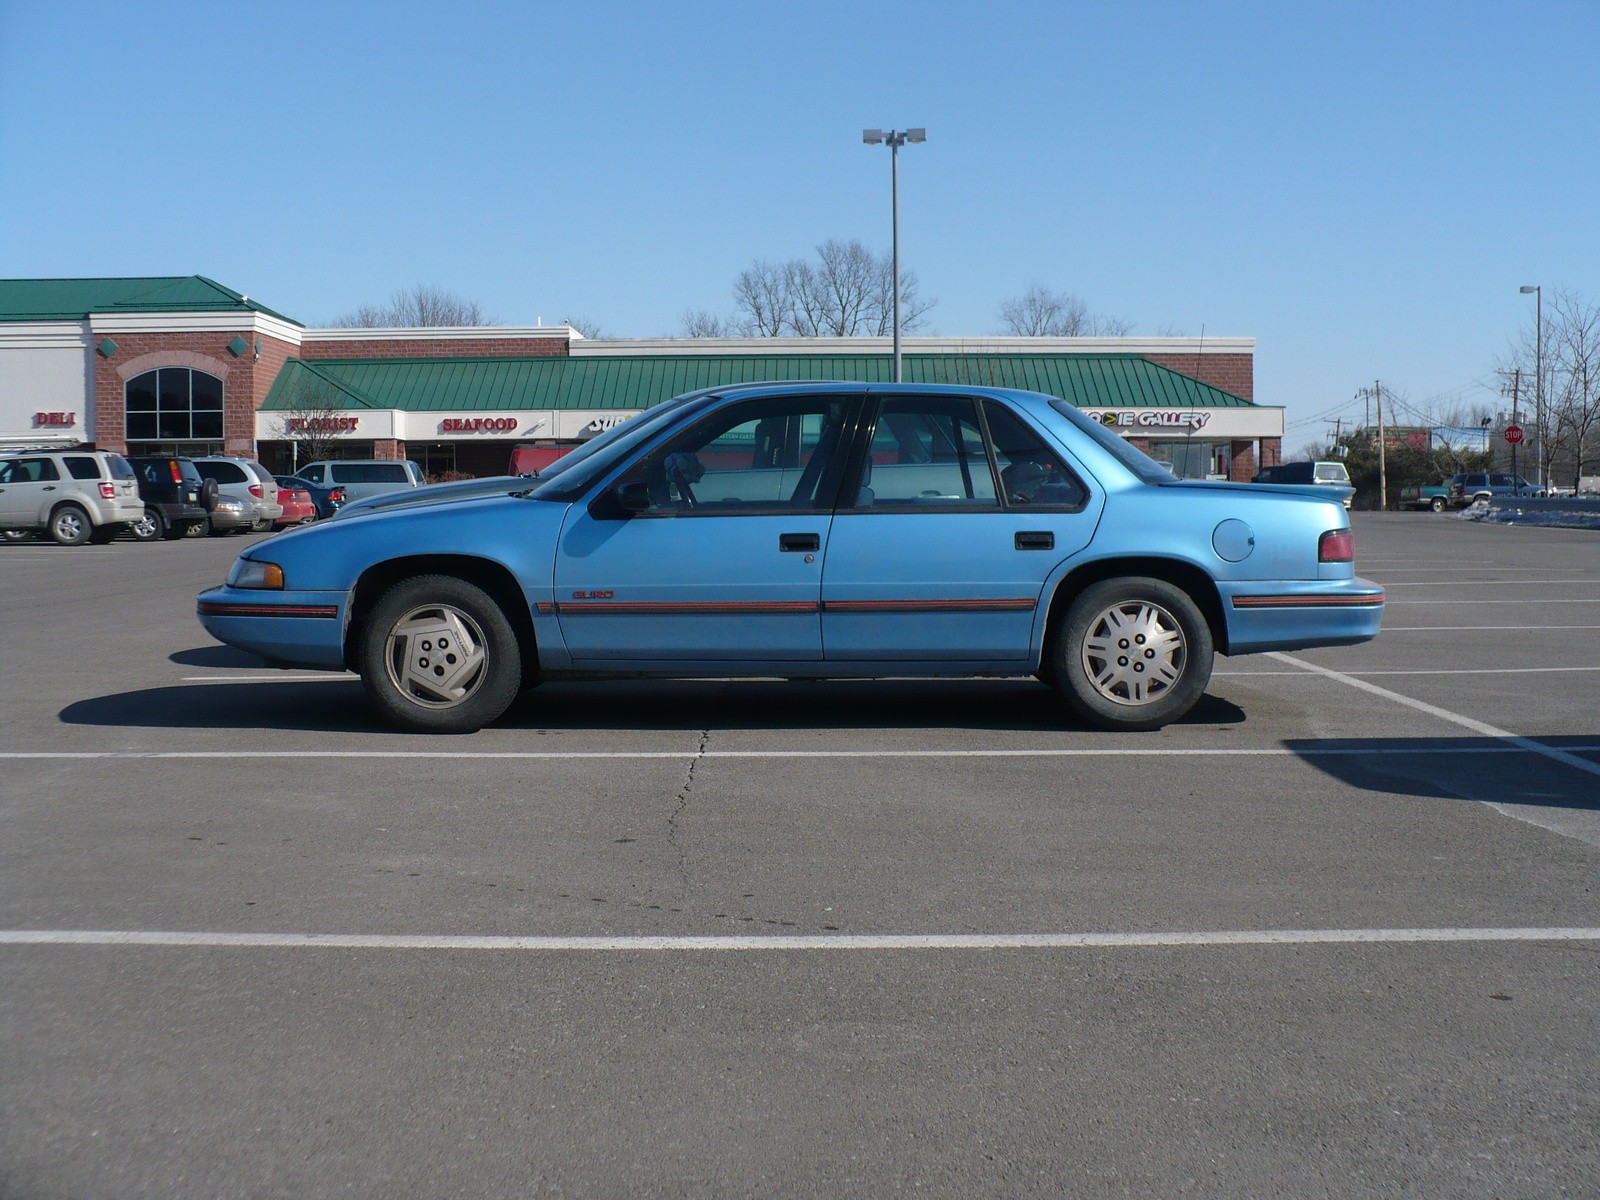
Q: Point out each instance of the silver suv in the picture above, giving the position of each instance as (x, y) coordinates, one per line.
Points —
(75, 496)
(247, 480)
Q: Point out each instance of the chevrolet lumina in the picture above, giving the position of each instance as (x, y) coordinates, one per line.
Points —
(814, 531)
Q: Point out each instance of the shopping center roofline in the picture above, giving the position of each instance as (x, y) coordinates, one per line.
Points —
(914, 345)
(442, 333)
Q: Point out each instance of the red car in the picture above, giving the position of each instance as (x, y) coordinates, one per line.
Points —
(297, 507)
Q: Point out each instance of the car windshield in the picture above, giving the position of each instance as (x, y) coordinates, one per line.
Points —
(568, 476)
(1147, 469)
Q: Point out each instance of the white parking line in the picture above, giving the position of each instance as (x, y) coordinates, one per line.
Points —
(1476, 628)
(1444, 714)
(868, 941)
(1516, 747)
(1439, 671)
(286, 677)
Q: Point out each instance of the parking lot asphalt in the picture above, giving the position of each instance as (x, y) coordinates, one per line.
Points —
(1338, 933)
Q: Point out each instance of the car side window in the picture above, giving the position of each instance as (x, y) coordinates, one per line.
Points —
(81, 467)
(1031, 474)
(30, 470)
(222, 472)
(314, 474)
(927, 451)
(763, 454)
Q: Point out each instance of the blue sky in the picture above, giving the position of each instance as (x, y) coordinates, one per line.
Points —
(1361, 187)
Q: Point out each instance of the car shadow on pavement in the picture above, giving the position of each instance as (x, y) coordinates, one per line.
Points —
(337, 705)
(1484, 769)
(216, 656)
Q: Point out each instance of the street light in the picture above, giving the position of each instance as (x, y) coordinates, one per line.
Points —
(1538, 369)
(894, 139)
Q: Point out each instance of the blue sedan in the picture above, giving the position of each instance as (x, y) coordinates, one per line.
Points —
(814, 530)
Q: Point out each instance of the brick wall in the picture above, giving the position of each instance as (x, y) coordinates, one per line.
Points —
(245, 380)
(1271, 452)
(487, 347)
(388, 448)
(1242, 466)
(1234, 373)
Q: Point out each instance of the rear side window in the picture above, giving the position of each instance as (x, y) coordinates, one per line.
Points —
(260, 472)
(223, 472)
(313, 474)
(927, 451)
(121, 468)
(369, 473)
(1031, 475)
(81, 466)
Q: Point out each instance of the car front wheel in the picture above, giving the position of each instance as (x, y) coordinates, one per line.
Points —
(1133, 653)
(437, 655)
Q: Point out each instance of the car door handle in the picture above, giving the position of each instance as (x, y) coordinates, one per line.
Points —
(797, 543)
(1035, 539)
(49, 487)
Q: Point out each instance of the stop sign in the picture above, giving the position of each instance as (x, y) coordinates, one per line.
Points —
(1513, 434)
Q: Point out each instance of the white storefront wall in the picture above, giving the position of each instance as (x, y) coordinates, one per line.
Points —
(46, 383)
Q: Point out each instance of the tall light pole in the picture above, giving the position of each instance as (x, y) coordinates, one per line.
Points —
(1538, 369)
(894, 139)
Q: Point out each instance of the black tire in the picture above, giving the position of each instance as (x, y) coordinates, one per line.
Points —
(15, 535)
(262, 525)
(152, 527)
(208, 494)
(1166, 634)
(70, 526)
(399, 665)
(197, 528)
(1437, 504)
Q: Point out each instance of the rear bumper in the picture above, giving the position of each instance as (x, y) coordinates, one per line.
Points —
(178, 511)
(1300, 614)
(299, 629)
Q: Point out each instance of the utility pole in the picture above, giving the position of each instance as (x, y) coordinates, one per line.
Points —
(1383, 461)
(1514, 390)
(1338, 428)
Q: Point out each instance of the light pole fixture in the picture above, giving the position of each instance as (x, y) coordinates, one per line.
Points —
(894, 139)
(1538, 370)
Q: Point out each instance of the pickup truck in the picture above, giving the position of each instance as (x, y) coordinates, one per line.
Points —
(1475, 485)
(1428, 495)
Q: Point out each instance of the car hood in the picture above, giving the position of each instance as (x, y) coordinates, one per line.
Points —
(437, 493)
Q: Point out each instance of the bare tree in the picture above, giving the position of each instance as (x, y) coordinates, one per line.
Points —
(417, 307)
(1572, 357)
(699, 323)
(848, 291)
(315, 423)
(589, 329)
(1039, 312)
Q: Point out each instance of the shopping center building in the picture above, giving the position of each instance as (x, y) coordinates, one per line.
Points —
(185, 365)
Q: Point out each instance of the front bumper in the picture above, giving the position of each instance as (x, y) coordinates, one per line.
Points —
(291, 629)
(1300, 614)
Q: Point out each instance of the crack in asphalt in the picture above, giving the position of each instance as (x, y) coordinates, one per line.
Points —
(683, 803)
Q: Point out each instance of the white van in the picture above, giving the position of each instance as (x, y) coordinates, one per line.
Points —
(363, 477)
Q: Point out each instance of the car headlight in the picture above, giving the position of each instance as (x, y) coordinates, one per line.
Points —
(249, 573)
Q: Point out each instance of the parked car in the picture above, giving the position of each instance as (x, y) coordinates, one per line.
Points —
(1311, 474)
(361, 478)
(231, 515)
(439, 493)
(298, 507)
(176, 498)
(328, 498)
(75, 496)
(814, 530)
(249, 481)
(1468, 486)
(1435, 496)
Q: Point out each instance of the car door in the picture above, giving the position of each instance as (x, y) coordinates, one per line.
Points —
(28, 489)
(709, 546)
(941, 550)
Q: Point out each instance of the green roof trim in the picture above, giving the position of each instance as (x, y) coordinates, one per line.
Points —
(639, 381)
(75, 299)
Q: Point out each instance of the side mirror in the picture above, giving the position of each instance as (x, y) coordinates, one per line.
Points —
(632, 497)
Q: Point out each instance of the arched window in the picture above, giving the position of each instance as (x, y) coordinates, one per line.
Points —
(174, 404)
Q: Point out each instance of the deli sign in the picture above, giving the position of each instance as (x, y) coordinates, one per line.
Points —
(1150, 418)
(54, 420)
(478, 425)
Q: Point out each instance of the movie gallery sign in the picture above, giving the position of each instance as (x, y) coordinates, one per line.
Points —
(1150, 418)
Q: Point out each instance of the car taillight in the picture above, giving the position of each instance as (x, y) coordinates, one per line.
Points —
(337, 495)
(177, 475)
(255, 490)
(1337, 545)
(108, 491)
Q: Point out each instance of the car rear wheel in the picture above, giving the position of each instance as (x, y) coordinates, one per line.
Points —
(70, 526)
(151, 527)
(437, 655)
(1133, 653)
(1437, 504)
